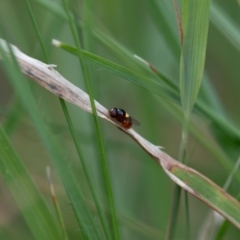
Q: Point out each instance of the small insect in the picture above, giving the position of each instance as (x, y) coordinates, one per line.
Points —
(122, 117)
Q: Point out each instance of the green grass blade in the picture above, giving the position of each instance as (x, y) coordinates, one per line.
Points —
(195, 29)
(174, 212)
(52, 7)
(71, 128)
(161, 13)
(225, 25)
(34, 22)
(88, 43)
(95, 118)
(85, 168)
(147, 83)
(210, 193)
(85, 220)
(25, 192)
(12, 117)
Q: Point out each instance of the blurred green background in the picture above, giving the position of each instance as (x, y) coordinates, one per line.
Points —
(142, 191)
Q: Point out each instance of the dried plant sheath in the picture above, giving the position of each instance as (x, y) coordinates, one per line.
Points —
(189, 179)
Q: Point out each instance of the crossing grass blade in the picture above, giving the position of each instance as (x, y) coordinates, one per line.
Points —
(21, 87)
(195, 29)
(32, 206)
(160, 13)
(12, 117)
(105, 172)
(225, 25)
(210, 193)
(226, 132)
(136, 78)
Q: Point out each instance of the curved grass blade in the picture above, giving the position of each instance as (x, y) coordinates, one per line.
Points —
(26, 194)
(160, 13)
(105, 171)
(225, 25)
(85, 220)
(78, 147)
(214, 196)
(125, 73)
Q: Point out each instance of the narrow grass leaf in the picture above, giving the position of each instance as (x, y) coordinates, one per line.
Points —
(210, 193)
(33, 208)
(78, 148)
(195, 29)
(12, 117)
(225, 25)
(105, 171)
(145, 82)
(160, 13)
(85, 220)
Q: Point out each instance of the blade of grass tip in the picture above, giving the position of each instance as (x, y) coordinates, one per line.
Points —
(136, 78)
(169, 82)
(70, 125)
(100, 142)
(84, 218)
(56, 204)
(26, 194)
(100, 36)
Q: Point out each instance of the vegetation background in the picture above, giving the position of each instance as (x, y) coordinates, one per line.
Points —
(141, 190)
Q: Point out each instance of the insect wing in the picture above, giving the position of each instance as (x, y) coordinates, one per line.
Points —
(135, 122)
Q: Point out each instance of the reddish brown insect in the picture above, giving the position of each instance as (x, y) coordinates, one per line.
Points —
(122, 117)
